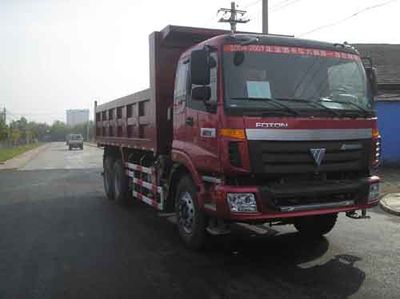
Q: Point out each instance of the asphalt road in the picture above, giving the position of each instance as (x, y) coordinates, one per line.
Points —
(61, 238)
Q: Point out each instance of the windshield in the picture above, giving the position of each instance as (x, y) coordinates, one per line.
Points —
(301, 79)
(76, 137)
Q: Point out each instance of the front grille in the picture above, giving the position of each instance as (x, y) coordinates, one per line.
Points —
(294, 157)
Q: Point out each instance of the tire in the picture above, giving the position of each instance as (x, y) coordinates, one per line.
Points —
(315, 226)
(69, 148)
(108, 177)
(191, 221)
(81, 147)
(120, 183)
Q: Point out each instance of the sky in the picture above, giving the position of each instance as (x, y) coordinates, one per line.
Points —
(64, 54)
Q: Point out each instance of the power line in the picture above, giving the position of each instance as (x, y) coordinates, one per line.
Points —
(283, 4)
(348, 17)
(9, 113)
(251, 4)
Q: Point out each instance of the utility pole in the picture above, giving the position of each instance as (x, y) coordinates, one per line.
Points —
(265, 16)
(87, 131)
(235, 16)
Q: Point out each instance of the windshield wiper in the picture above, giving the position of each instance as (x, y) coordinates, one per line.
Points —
(312, 103)
(270, 100)
(359, 107)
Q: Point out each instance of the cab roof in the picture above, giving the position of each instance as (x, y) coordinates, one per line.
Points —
(191, 36)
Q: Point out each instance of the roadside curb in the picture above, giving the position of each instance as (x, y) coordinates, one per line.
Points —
(386, 203)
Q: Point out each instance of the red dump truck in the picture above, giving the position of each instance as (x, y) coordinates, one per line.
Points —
(240, 127)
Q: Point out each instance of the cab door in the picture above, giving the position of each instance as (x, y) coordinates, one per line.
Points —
(201, 123)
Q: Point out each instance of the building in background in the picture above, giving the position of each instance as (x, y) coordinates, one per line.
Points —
(77, 116)
(386, 58)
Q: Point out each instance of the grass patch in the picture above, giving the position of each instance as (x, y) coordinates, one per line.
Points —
(8, 153)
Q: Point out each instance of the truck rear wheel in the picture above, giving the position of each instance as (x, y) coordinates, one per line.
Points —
(108, 177)
(120, 181)
(315, 226)
(191, 221)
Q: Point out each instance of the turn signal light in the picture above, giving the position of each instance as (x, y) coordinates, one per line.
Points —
(375, 133)
(233, 133)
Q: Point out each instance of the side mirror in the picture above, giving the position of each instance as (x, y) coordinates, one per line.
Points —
(201, 93)
(200, 67)
(371, 75)
(370, 71)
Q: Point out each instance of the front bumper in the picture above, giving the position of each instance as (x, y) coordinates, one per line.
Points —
(294, 200)
(75, 144)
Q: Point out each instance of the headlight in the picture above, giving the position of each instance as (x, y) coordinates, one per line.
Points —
(373, 192)
(242, 202)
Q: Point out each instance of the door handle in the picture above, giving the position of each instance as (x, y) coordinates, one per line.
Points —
(189, 121)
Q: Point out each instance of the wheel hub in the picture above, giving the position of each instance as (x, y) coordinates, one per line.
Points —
(186, 212)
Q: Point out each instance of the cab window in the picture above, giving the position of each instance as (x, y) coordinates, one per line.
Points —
(181, 82)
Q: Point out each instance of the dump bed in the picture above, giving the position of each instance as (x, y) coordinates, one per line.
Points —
(144, 119)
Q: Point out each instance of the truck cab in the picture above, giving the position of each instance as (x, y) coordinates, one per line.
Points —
(276, 126)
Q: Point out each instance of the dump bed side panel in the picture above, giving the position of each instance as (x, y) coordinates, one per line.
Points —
(163, 60)
(127, 121)
(144, 120)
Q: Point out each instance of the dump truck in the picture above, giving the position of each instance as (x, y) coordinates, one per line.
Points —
(245, 128)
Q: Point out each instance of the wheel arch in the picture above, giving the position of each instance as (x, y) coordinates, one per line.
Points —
(182, 165)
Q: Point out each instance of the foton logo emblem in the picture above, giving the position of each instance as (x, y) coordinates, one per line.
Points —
(318, 155)
(272, 125)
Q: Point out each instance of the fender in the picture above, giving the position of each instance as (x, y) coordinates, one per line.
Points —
(183, 158)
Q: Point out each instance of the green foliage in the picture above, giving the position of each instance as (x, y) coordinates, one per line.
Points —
(8, 153)
(15, 136)
(3, 130)
(23, 131)
(60, 130)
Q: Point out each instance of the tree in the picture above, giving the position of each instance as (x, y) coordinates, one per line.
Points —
(15, 136)
(59, 131)
(19, 131)
(3, 130)
(39, 131)
(86, 129)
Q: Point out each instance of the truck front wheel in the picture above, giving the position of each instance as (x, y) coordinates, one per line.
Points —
(315, 226)
(108, 177)
(191, 221)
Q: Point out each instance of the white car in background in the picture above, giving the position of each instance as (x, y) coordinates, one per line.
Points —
(75, 141)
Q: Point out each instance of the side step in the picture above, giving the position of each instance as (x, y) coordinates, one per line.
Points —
(355, 215)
